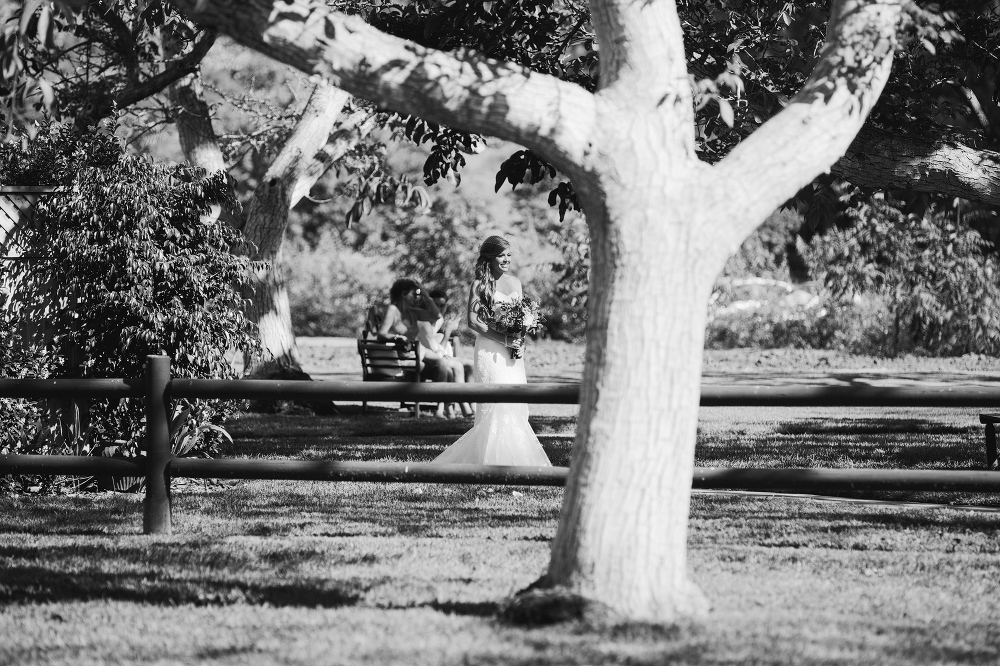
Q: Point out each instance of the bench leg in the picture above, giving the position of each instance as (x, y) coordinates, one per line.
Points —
(991, 445)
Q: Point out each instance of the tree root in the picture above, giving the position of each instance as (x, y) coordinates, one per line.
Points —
(541, 604)
(282, 372)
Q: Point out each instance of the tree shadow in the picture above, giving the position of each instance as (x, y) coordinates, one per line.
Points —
(34, 584)
(870, 426)
(870, 442)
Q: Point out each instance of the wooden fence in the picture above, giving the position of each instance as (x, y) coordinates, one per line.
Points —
(157, 464)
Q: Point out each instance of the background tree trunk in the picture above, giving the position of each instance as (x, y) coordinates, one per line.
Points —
(199, 142)
(296, 168)
(304, 158)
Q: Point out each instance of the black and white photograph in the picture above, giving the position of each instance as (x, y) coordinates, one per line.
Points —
(499, 332)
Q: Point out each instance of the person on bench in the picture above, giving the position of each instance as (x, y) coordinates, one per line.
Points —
(408, 305)
(433, 335)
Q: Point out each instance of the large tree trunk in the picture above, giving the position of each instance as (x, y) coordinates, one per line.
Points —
(638, 418)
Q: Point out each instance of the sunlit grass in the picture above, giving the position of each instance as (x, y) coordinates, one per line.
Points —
(262, 572)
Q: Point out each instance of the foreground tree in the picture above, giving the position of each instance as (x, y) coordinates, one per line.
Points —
(662, 225)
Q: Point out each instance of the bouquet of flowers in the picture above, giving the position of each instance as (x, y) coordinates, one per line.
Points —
(517, 317)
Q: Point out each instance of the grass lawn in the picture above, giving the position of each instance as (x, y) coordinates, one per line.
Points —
(324, 573)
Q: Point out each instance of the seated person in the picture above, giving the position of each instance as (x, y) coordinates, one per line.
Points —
(440, 298)
(436, 335)
(409, 304)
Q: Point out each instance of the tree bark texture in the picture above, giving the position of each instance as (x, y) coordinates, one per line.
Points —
(884, 160)
(294, 171)
(307, 154)
(199, 142)
(662, 226)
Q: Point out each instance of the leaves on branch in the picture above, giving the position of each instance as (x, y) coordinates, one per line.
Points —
(131, 261)
(938, 276)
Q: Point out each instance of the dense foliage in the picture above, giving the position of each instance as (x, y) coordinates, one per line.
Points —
(331, 285)
(127, 259)
(745, 59)
(23, 426)
(937, 277)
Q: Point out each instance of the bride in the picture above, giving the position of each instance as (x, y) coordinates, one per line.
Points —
(501, 434)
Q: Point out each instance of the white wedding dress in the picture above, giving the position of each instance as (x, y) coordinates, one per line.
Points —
(501, 434)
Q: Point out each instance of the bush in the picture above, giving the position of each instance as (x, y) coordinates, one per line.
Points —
(21, 421)
(767, 313)
(937, 279)
(129, 261)
(331, 286)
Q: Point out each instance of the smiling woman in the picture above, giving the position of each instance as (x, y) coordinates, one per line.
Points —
(501, 434)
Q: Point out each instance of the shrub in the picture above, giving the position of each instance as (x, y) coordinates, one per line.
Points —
(128, 261)
(936, 278)
(331, 286)
(565, 305)
(21, 420)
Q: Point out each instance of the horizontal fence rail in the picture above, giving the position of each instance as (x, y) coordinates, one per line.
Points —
(850, 396)
(96, 389)
(301, 470)
(569, 394)
(547, 393)
(374, 391)
(714, 478)
(11, 463)
(157, 465)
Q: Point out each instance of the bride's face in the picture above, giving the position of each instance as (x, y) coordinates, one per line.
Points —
(501, 264)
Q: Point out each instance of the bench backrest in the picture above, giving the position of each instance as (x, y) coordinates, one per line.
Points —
(388, 362)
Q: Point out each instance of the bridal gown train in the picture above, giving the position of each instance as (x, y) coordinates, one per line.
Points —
(501, 434)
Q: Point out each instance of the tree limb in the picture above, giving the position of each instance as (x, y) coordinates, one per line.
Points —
(819, 124)
(890, 160)
(126, 42)
(173, 72)
(461, 89)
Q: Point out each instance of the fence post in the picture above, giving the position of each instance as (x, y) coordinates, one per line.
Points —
(156, 504)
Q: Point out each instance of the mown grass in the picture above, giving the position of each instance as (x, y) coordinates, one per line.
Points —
(303, 573)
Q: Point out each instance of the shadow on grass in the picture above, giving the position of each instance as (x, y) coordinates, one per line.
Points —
(382, 436)
(847, 442)
(848, 427)
(41, 585)
(466, 608)
(412, 519)
(841, 518)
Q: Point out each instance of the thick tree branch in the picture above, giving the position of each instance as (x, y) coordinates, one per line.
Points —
(643, 66)
(199, 142)
(889, 160)
(302, 161)
(173, 72)
(462, 89)
(816, 128)
(651, 68)
(349, 132)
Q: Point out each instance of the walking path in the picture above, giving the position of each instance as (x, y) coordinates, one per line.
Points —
(336, 359)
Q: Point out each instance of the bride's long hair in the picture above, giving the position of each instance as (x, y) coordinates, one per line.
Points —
(491, 248)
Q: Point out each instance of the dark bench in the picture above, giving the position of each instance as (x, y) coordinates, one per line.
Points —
(990, 421)
(389, 362)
